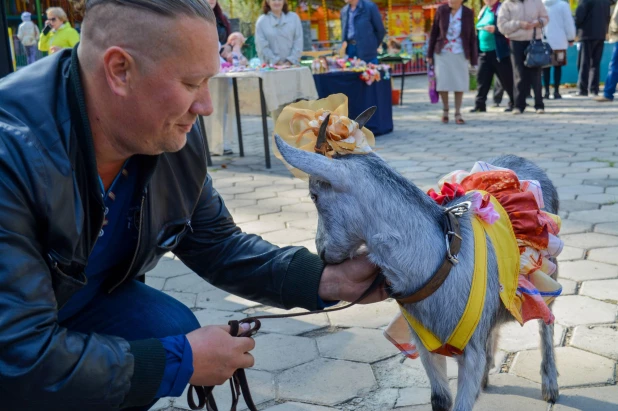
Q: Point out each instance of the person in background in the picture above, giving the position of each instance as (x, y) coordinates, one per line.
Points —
(591, 19)
(560, 34)
(278, 34)
(453, 45)
(362, 30)
(612, 73)
(58, 33)
(498, 91)
(223, 24)
(517, 20)
(494, 57)
(28, 35)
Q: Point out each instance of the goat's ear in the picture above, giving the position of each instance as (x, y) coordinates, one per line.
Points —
(316, 165)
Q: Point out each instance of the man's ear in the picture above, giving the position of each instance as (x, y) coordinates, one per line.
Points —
(119, 67)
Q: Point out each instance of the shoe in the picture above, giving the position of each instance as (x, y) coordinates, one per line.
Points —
(517, 111)
(557, 96)
(478, 110)
(595, 93)
(546, 95)
(581, 94)
(508, 109)
(496, 104)
(228, 152)
(444, 116)
(459, 119)
(540, 111)
(603, 99)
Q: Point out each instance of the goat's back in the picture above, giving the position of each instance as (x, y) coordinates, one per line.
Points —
(527, 170)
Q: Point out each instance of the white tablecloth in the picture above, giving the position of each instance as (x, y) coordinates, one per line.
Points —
(280, 87)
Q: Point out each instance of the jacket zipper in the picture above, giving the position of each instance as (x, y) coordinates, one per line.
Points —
(139, 237)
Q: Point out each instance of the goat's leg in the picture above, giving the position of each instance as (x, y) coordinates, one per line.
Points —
(471, 370)
(435, 367)
(549, 371)
(490, 353)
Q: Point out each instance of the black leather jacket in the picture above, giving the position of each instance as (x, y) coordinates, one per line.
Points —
(50, 215)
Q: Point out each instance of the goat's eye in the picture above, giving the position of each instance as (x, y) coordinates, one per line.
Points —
(314, 197)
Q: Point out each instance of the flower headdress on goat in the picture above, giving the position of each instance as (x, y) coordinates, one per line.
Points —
(323, 126)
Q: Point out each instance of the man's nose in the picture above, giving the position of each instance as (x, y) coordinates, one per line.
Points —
(203, 103)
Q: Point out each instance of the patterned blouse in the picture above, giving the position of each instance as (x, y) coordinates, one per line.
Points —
(453, 36)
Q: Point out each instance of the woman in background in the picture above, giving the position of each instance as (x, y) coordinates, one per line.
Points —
(58, 33)
(278, 34)
(560, 33)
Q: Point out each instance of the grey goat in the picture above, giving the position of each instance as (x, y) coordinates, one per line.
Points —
(361, 200)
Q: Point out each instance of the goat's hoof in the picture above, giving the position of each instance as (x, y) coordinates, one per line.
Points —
(551, 392)
(441, 402)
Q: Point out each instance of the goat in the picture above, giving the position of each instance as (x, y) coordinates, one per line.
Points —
(362, 201)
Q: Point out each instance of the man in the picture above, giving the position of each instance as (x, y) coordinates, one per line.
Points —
(591, 21)
(494, 58)
(612, 73)
(102, 179)
(362, 30)
(28, 35)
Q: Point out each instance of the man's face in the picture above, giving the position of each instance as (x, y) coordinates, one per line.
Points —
(167, 95)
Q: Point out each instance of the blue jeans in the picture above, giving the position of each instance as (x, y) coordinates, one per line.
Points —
(612, 75)
(134, 311)
(30, 54)
(352, 52)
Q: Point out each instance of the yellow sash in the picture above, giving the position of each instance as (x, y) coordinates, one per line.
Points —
(507, 252)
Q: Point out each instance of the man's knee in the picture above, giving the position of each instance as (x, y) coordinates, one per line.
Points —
(183, 319)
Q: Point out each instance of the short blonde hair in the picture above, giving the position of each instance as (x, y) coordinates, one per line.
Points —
(58, 12)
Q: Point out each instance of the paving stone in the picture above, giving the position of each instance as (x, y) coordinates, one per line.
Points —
(605, 290)
(261, 227)
(604, 255)
(391, 373)
(576, 367)
(155, 282)
(574, 227)
(309, 224)
(283, 217)
(208, 316)
(585, 270)
(596, 398)
(366, 316)
(168, 269)
(510, 393)
(596, 216)
(259, 209)
(356, 344)
(295, 193)
(578, 205)
(276, 352)
(187, 299)
(288, 236)
(603, 199)
(308, 244)
(372, 400)
(297, 406)
(578, 190)
(332, 379)
(262, 390)
(571, 253)
(289, 326)
(240, 218)
(190, 283)
(590, 240)
(217, 299)
(286, 202)
(607, 228)
(514, 337)
(231, 204)
(299, 207)
(568, 286)
(599, 339)
(573, 310)
(413, 396)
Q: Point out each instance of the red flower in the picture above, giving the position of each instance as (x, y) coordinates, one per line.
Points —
(449, 193)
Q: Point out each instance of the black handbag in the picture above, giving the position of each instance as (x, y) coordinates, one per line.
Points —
(538, 52)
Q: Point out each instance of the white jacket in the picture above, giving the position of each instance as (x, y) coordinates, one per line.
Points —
(561, 27)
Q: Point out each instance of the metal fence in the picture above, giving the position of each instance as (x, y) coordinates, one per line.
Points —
(20, 53)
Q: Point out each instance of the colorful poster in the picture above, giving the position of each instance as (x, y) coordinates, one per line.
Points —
(400, 23)
(417, 24)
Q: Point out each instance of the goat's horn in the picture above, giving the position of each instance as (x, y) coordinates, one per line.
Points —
(364, 117)
(321, 141)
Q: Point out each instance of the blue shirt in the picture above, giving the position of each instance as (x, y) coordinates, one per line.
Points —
(350, 27)
(116, 243)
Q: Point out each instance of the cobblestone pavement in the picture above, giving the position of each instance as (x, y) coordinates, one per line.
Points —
(341, 361)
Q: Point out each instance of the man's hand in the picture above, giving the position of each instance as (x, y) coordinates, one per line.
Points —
(216, 354)
(347, 281)
(490, 28)
(429, 61)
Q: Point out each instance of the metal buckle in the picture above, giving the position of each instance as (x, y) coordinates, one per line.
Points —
(452, 258)
(459, 209)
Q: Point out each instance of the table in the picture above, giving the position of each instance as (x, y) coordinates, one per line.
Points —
(393, 59)
(360, 97)
(277, 88)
